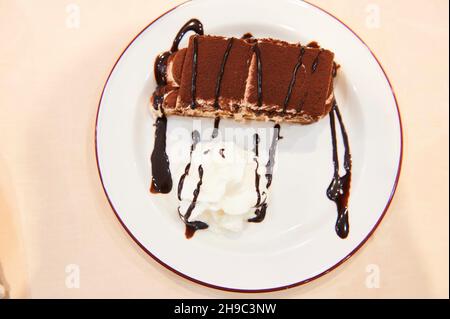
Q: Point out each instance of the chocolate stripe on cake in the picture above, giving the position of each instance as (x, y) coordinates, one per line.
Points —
(194, 73)
(294, 78)
(316, 62)
(259, 71)
(222, 70)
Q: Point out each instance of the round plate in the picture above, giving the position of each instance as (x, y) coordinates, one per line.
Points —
(297, 241)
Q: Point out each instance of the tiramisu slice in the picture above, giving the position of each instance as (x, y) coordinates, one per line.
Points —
(247, 78)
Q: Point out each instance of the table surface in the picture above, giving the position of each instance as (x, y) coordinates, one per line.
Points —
(54, 215)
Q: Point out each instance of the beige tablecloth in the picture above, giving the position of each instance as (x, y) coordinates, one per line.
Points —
(55, 223)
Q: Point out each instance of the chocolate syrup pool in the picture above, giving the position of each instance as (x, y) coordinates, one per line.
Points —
(161, 176)
(339, 188)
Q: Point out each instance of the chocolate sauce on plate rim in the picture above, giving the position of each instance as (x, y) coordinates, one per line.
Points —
(339, 188)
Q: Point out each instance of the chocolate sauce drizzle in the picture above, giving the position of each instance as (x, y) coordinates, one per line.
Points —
(195, 140)
(160, 68)
(221, 72)
(215, 132)
(260, 214)
(194, 73)
(314, 66)
(294, 78)
(161, 61)
(339, 189)
(316, 61)
(161, 175)
(335, 68)
(302, 102)
(273, 147)
(192, 25)
(257, 176)
(192, 227)
(157, 100)
(259, 73)
(261, 208)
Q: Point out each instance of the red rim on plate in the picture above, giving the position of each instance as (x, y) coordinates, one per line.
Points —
(275, 288)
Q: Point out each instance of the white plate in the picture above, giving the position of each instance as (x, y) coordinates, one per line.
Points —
(296, 242)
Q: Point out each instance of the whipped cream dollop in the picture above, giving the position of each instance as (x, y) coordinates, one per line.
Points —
(226, 191)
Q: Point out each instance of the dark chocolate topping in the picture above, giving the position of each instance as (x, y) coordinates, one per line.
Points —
(192, 25)
(319, 68)
(258, 73)
(261, 208)
(260, 214)
(193, 226)
(294, 78)
(222, 70)
(275, 74)
(194, 73)
(160, 68)
(195, 140)
(158, 100)
(316, 61)
(257, 176)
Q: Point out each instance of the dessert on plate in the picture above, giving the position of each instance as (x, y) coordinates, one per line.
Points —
(242, 79)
